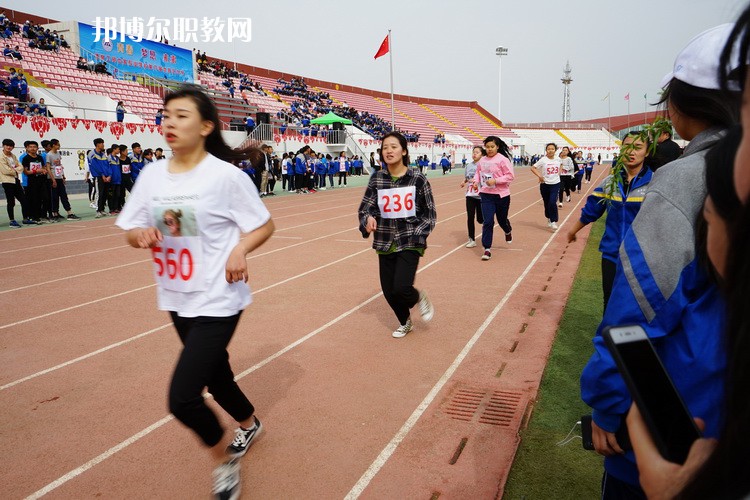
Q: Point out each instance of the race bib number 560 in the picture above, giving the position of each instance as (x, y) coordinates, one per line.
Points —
(397, 203)
(178, 264)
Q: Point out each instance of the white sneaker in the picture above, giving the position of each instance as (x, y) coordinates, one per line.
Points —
(402, 330)
(471, 244)
(554, 226)
(568, 200)
(227, 481)
(92, 205)
(549, 223)
(99, 215)
(559, 204)
(425, 306)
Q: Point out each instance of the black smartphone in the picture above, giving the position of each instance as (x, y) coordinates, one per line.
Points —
(667, 418)
(623, 439)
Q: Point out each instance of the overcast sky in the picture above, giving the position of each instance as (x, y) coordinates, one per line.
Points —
(446, 49)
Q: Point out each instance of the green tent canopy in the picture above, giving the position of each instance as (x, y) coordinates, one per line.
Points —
(330, 118)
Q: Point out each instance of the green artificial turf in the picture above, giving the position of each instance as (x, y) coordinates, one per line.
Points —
(542, 469)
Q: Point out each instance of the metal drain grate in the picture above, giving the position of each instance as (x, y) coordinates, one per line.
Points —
(484, 406)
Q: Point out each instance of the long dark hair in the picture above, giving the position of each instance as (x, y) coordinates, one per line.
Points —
(724, 474)
(502, 148)
(717, 108)
(214, 141)
(719, 178)
(401, 140)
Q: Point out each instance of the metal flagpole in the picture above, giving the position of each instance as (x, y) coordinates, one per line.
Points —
(390, 57)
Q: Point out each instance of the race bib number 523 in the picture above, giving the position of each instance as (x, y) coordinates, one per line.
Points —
(178, 264)
(397, 203)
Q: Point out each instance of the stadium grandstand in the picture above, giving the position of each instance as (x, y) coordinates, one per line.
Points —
(82, 83)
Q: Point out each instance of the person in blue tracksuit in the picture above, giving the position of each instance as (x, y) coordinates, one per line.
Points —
(445, 163)
(116, 173)
(661, 283)
(136, 161)
(621, 207)
(333, 167)
(300, 168)
(321, 168)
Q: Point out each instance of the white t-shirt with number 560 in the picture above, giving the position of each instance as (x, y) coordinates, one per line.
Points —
(201, 214)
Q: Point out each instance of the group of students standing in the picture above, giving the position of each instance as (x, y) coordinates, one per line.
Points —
(36, 180)
(307, 171)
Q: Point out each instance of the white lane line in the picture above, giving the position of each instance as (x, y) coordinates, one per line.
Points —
(10, 325)
(81, 358)
(134, 438)
(72, 276)
(67, 242)
(390, 448)
(61, 258)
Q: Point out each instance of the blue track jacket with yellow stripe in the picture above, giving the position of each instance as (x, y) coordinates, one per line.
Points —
(621, 208)
(661, 285)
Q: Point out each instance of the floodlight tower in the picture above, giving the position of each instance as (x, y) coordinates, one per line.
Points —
(566, 80)
(500, 52)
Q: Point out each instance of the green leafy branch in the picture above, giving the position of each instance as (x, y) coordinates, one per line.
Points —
(649, 134)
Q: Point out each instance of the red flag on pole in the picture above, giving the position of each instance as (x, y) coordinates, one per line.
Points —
(383, 50)
(627, 96)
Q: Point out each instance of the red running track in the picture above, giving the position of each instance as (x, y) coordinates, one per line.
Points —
(348, 411)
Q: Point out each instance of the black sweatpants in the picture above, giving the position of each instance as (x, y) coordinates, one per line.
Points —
(473, 206)
(204, 363)
(609, 269)
(59, 193)
(397, 272)
(566, 182)
(14, 192)
(103, 187)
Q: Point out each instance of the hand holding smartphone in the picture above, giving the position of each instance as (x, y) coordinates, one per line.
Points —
(665, 414)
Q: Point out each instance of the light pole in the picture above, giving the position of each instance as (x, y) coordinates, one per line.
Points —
(500, 52)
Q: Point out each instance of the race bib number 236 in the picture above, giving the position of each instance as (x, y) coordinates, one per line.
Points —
(397, 203)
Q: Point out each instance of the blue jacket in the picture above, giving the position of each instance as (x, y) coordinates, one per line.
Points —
(661, 286)
(621, 211)
(114, 169)
(99, 164)
(321, 166)
(300, 164)
(136, 165)
(445, 162)
(333, 167)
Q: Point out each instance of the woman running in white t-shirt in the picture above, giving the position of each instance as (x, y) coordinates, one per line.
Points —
(201, 270)
(547, 170)
(567, 170)
(473, 201)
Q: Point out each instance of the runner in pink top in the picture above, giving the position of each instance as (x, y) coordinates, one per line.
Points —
(493, 178)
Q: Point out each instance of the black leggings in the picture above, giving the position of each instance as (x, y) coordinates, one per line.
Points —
(204, 362)
(397, 272)
(14, 192)
(473, 206)
(566, 182)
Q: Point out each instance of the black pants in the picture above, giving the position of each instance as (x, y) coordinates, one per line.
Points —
(114, 201)
(397, 272)
(14, 192)
(103, 187)
(299, 181)
(549, 197)
(59, 193)
(127, 185)
(342, 175)
(615, 489)
(92, 189)
(204, 363)
(494, 206)
(566, 182)
(608, 278)
(36, 188)
(473, 206)
(588, 174)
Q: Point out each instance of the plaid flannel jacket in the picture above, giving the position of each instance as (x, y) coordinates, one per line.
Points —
(409, 232)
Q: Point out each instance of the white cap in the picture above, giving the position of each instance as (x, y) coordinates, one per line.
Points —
(698, 63)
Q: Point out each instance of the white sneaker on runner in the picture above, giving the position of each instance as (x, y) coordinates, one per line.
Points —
(425, 306)
(227, 481)
(554, 226)
(402, 330)
(471, 244)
